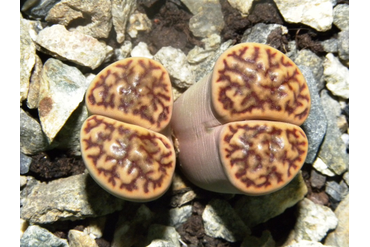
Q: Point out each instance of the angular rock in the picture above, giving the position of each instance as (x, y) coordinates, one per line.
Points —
(175, 216)
(96, 13)
(73, 46)
(336, 76)
(343, 46)
(199, 54)
(77, 239)
(330, 45)
(174, 60)
(242, 5)
(72, 198)
(138, 22)
(340, 236)
(32, 139)
(337, 191)
(260, 32)
(317, 14)
(341, 16)
(346, 178)
(121, 12)
(25, 162)
(207, 18)
(123, 51)
(160, 235)
(221, 221)
(255, 210)
(61, 91)
(38, 9)
(313, 222)
(315, 124)
(315, 63)
(27, 57)
(34, 89)
(23, 226)
(96, 227)
(141, 50)
(205, 67)
(323, 168)
(36, 236)
(333, 150)
(317, 180)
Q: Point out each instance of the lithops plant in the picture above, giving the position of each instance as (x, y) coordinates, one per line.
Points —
(124, 143)
(238, 128)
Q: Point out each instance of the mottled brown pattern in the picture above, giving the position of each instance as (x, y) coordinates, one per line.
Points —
(45, 106)
(133, 90)
(262, 155)
(129, 160)
(255, 81)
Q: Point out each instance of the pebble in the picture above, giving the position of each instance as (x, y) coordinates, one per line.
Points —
(341, 16)
(61, 91)
(177, 216)
(323, 168)
(315, 63)
(95, 13)
(336, 76)
(307, 243)
(141, 50)
(260, 32)
(70, 198)
(32, 139)
(96, 227)
(346, 177)
(76, 47)
(199, 54)
(313, 222)
(330, 45)
(121, 11)
(23, 225)
(255, 210)
(337, 191)
(123, 51)
(38, 9)
(343, 46)
(340, 236)
(207, 17)
(36, 236)
(163, 236)
(221, 221)
(78, 239)
(25, 162)
(242, 5)
(317, 14)
(315, 124)
(138, 22)
(27, 57)
(317, 180)
(34, 87)
(333, 150)
(174, 60)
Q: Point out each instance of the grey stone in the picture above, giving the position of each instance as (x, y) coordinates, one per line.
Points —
(337, 191)
(315, 124)
(340, 236)
(333, 150)
(336, 76)
(199, 54)
(330, 45)
(323, 168)
(178, 216)
(141, 50)
(292, 52)
(315, 63)
(242, 5)
(72, 198)
(346, 177)
(123, 51)
(202, 69)
(174, 60)
(163, 236)
(313, 222)
(25, 163)
(207, 18)
(32, 139)
(38, 9)
(96, 13)
(121, 11)
(260, 32)
(76, 47)
(36, 236)
(307, 243)
(221, 221)
(317, 14)
(27, 57)
(317, 180)
(343, 46)
(61, 91)
(255, 210)
(341, 16)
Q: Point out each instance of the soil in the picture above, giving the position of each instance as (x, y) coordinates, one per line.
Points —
(170, 27)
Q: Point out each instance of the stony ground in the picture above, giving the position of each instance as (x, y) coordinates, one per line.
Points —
(324, 185)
